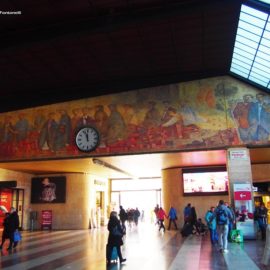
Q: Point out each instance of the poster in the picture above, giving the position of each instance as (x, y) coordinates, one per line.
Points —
(48, 189)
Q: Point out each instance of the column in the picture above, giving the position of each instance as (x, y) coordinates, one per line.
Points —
(240, 189)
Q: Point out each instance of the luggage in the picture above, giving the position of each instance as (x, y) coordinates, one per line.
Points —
(236, 236)
(113, 255)
(187, 230)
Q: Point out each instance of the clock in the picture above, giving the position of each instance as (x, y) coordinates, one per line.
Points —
(87, 139)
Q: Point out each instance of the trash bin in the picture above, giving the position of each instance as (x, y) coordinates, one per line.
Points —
(266, 253)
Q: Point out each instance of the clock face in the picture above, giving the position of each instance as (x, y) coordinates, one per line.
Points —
(87, 139)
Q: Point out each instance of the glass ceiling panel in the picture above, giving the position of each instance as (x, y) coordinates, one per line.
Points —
(251, 55)
(265, 1)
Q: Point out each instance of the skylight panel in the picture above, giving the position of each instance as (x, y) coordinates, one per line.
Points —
(249, 35)
(242, 59)
(251, 55)
(265, 1)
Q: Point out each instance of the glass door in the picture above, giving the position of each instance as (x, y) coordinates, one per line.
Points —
(17, 202)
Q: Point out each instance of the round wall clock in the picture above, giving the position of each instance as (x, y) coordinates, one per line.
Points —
(87, 139)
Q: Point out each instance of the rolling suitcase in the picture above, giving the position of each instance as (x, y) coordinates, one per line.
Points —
(113, 255)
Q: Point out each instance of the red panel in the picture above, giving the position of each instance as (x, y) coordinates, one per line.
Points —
(5, 201)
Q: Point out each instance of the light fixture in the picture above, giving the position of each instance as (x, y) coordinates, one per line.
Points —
(109, 166)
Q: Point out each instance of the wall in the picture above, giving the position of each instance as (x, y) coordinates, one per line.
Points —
(81, 188)
(80, 199)
(261, 172)
(172, 185)
(80, 204)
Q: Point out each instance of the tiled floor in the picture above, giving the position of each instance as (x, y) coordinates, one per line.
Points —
(145, 248)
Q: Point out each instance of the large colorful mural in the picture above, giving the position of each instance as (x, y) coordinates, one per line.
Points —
(202, 114)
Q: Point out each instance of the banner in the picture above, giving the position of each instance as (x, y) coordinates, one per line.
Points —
(46, 219)
(243, 201)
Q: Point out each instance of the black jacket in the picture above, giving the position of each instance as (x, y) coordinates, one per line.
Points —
(12, 222)
(115, 240)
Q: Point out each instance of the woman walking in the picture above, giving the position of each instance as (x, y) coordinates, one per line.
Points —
(115, 238)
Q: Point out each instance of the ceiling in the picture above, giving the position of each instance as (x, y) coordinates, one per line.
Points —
(57, 51)
(134, 166)
(64, 50)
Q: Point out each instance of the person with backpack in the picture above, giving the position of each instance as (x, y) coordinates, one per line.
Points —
(223, 216)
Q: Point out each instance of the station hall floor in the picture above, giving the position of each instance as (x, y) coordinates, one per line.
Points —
(145, 249)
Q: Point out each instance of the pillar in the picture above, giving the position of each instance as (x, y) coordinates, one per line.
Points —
(240, 188)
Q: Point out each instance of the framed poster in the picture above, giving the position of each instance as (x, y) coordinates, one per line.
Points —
(48, 189)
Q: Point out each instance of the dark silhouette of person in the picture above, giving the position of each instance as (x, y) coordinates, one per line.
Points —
(115, 238)
(12, 226)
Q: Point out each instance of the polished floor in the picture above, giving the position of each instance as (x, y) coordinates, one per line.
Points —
(145, 248)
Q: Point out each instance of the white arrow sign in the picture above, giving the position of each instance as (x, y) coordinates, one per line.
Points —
(242, 195)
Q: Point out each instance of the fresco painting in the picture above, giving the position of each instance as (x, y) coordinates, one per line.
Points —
(204, 114)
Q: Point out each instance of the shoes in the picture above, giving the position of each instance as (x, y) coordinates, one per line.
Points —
(123, 260)
(225, 250)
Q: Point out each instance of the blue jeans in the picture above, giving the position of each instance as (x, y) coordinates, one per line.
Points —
(213, 236)
(222, 231)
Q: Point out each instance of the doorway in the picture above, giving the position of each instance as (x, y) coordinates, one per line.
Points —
(143, 194)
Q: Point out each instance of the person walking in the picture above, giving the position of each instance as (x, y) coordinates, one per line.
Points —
(187, 213)
(12, 226)
(172, 217)
(115, 238)
(161, 216)
(123, 216)
(223, 216)
(212, 225)
(261, 217)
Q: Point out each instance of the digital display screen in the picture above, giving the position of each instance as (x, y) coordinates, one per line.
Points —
(205, 182)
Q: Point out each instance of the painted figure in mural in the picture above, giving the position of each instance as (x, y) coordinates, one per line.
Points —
(172, 121)
(48, 133)
(75, 122)
(8, 130)
(116, 125)
(21, 128)
(240, 113)
(101, 120)
(48, 191)
(64, 130)
(152, 116)
(188, 113)
(39, 120)
(259, 118)
(86, 119)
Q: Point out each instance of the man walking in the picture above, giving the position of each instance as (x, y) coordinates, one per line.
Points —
(223, 216)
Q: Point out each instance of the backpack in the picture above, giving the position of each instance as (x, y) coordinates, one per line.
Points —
(221, 217)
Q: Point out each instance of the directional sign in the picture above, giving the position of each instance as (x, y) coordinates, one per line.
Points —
(242, 195)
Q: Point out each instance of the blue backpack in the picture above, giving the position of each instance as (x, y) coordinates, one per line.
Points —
(221, 217)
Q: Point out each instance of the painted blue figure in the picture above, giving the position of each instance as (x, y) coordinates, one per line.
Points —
(259, 119)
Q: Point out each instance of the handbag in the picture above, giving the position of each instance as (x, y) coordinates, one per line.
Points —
(17, 236)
